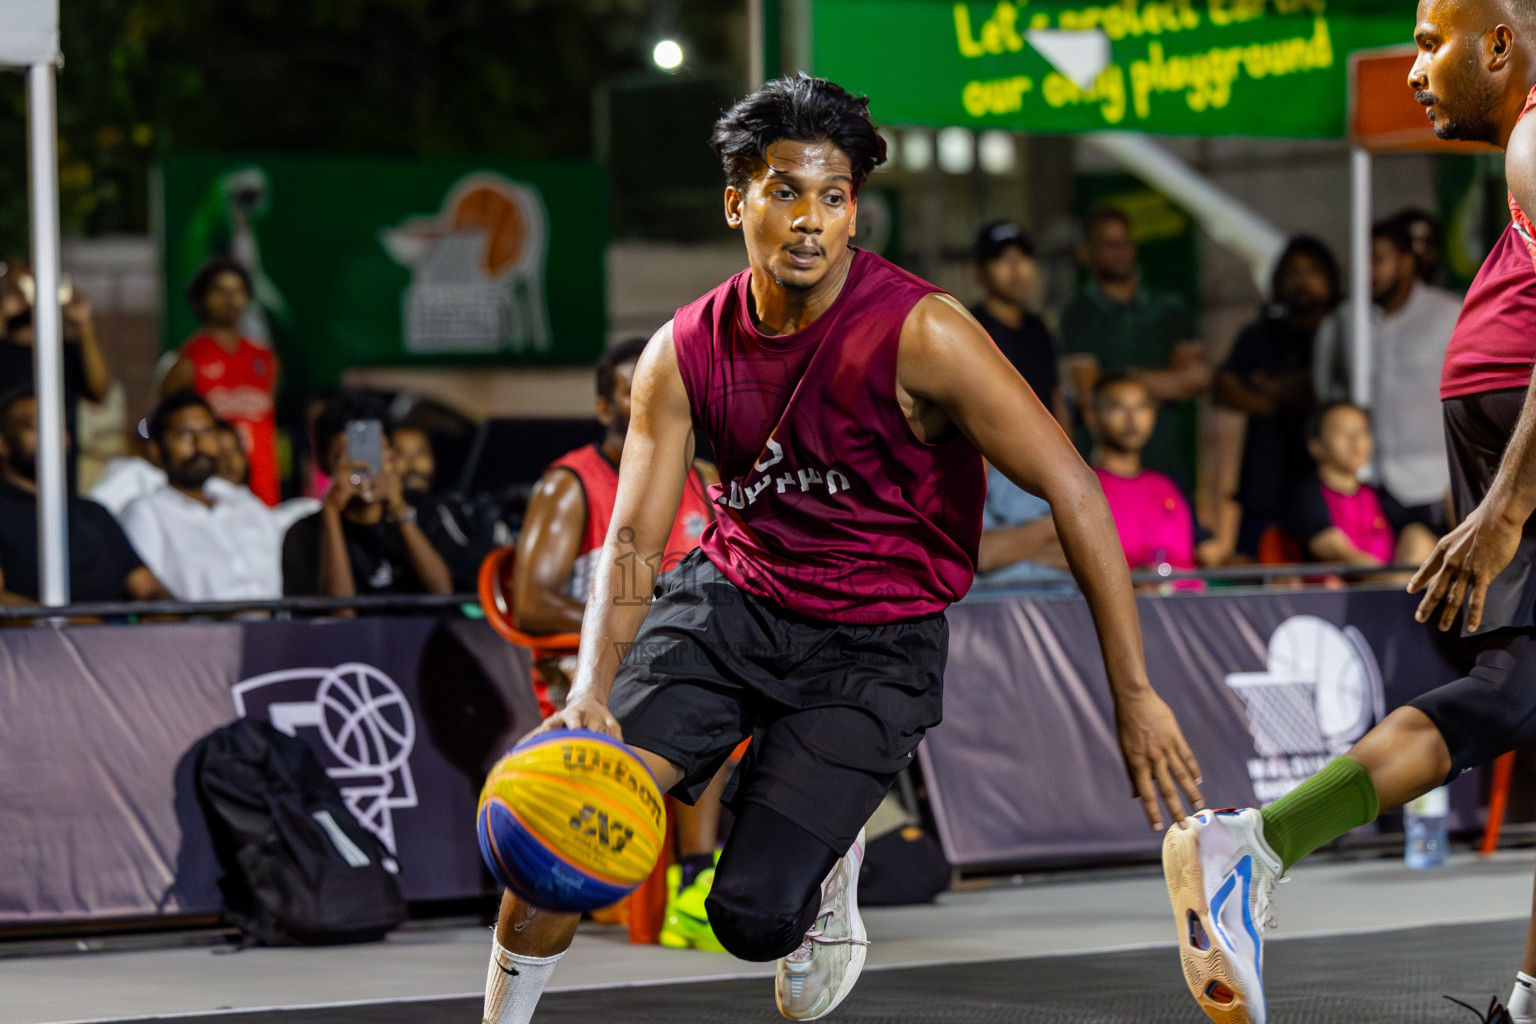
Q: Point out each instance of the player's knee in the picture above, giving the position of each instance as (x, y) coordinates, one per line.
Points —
(751, 924)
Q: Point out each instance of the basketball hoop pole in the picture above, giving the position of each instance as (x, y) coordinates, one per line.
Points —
(48, 357)
(1360, 165)
(755, 44)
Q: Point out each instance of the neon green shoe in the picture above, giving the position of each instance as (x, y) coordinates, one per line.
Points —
(687, 924)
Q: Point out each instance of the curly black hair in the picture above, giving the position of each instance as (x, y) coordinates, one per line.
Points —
(797, 109)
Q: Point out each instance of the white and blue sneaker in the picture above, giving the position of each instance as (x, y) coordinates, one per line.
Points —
(1220, 874)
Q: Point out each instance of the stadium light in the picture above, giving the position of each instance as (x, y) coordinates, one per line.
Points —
(668, 55)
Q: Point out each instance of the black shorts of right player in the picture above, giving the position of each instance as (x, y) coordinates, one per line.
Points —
(1492, 710)
(835, 712)
(1477, 430)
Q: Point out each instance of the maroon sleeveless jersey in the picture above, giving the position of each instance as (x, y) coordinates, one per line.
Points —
(828, 504)
(1494, 343)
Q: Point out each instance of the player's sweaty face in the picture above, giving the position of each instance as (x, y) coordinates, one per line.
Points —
(1449, 78)
(798, 212)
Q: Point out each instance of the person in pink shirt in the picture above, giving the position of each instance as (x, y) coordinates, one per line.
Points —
(1152, 515)
(1335, 516)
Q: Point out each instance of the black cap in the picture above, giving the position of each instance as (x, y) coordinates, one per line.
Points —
(996, 237)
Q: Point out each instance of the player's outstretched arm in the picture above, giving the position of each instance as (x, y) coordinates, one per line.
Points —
(952, 377)
(657, 453)
(1468, 559)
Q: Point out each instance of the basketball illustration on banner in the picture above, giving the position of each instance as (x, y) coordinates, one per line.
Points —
(1320, 692)
(477, 270)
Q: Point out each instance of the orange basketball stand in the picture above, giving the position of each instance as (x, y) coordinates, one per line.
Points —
(1498, 800)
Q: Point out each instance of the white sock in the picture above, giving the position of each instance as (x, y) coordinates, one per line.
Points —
(514, 984)
(1522, 1001)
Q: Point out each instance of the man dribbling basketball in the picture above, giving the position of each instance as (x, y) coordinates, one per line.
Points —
(849, 405)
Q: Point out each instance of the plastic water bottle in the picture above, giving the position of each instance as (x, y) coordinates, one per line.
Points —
(1424, 818)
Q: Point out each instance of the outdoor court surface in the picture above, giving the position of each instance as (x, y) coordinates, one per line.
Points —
(1359, 942)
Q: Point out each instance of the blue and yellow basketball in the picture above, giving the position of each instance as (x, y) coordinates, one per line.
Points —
(570, 820)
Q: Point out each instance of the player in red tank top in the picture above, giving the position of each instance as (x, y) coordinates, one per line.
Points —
(237, 376)
(557, 549)
(849, 405)
(1476, 76)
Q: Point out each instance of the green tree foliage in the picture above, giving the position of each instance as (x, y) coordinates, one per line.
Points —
(412, 78)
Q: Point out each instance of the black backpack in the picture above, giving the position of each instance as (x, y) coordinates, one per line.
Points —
(298, 868)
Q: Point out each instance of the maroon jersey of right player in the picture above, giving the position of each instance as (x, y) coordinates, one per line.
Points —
(828, 504)
(1492, 347)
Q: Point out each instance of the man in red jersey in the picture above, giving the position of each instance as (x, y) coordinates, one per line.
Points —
(849, 405)
(557, 551)
(237, 376)
(1476, 77)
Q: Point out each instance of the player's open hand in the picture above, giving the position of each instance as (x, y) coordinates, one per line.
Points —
(587, 714)
(1158, 761)
(1462, 566)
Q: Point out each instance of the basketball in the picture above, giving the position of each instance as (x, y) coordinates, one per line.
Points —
(570, 820)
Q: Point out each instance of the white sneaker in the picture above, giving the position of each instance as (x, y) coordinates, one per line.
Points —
(1220, 875)
(814, 979)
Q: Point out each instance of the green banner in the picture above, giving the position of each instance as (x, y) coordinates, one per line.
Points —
(369, 262)
(1174, 67)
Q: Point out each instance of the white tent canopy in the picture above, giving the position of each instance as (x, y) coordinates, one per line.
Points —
(29, 32)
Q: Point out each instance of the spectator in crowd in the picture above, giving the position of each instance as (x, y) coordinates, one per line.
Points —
(462, 531)
(235, 469)
(1018, 545)
(365, 539)
(1268, 376)
(86, 373)
(563, 532)
(1409, 338)
(414, 460)
(1338, 518)
(1152, 514)
(1118, 325)
(236, 375)
(1428, 240)
(205, 538)
(232, 466)
(1009, 278)
(102, 563)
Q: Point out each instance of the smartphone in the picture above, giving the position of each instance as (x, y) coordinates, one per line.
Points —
(365, 444)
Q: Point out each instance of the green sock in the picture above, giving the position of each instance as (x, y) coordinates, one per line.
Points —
(1330, 803)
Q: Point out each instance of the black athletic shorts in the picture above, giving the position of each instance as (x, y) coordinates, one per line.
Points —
(1477, 429)
(835, 711)
(1490, 711)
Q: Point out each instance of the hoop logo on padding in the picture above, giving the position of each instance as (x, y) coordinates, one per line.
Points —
(1320, 691)
(365, 727)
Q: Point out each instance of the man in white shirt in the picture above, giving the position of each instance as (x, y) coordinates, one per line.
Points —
(1413, 326)
(206, 539)
(235, 469)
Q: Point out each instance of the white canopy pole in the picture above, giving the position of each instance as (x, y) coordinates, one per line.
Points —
(1230, 224)
(1360, 274)
(48, 361)
(755, 44)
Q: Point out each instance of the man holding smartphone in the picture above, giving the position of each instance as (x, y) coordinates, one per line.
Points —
(364, 539)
